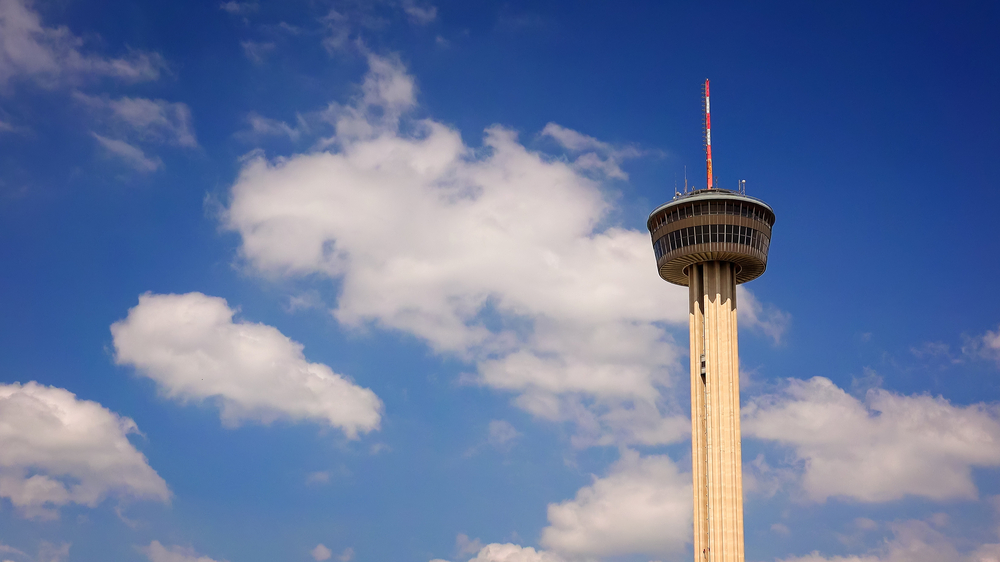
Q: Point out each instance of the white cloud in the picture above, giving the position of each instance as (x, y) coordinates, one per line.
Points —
(156, 552)
(514, 553)
(420, 15)
(815, 556)
(496, 255)
(986, 553)
(157, 120)
(931, 350)
(6, 127)
(264, 126)
(764, 318)
(347, 555)
(320, 477)
(190, 345)
(56, 449)
(986, 346)
(594, 155)
(880, 449)
(349, 25)
(502, 434)
(642, 506)
(7, 549)
(149, 120)
(320, 553)
(464, 545)
(51, 56)
(865, 524)
(238, 8)
(256, 50)
(49, 552)
(572, 140)
(131, 155)
(761, 478)
(912, 541)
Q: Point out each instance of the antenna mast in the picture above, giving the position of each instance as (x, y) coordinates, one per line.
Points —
(708, 134)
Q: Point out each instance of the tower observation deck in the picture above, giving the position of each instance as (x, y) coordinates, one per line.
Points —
(710, 240)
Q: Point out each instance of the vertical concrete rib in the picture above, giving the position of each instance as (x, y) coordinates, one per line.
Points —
(715, 399)
(737, 431)
(699, 471)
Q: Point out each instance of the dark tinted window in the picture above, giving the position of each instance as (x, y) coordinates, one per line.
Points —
(704, 234)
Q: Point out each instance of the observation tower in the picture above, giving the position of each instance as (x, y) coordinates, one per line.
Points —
(711, 240)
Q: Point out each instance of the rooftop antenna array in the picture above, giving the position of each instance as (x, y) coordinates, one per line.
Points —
(708, 132)
(685, 178)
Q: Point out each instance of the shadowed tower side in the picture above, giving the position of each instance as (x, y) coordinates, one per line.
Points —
(711, 240)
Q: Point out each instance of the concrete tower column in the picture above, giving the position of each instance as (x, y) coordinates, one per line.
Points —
(715, 413)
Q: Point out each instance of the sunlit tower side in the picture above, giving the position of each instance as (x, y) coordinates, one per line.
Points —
(711, 240)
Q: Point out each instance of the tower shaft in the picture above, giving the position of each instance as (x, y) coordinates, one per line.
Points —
(715, 413)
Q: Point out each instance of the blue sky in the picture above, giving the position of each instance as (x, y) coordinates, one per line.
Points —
(369, 281)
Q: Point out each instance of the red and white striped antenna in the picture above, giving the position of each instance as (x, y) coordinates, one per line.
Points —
(708, 134)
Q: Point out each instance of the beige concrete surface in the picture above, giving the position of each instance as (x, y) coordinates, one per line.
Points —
(715, 414)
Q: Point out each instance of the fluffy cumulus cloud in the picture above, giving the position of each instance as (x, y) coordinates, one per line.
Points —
(882, 448)
(51, 56)
(320, 553)
(498, 552)
(514, 553)
(499, 255)
(194, 350)
(56, 449)
(642, 506)
(156, 552)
